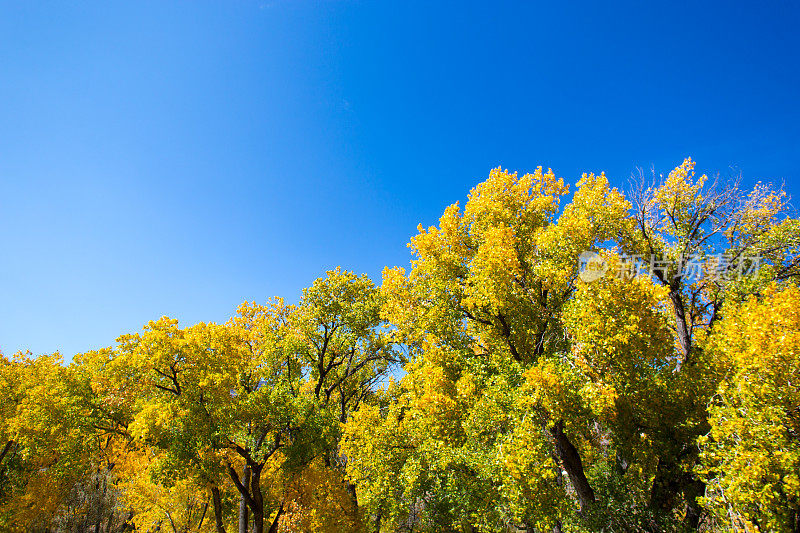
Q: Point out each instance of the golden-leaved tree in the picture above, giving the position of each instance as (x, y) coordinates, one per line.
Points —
(751, 456)
(536, 399)
(53, 460)
(248, 410)
(575, 361)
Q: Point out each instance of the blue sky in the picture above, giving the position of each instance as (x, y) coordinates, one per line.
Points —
(177, 158)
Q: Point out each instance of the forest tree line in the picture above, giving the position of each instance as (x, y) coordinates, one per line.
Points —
(499, 384)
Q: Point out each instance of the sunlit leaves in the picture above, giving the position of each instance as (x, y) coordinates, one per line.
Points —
(752, 453)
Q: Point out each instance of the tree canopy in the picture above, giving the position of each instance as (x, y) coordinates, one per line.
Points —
(552, 360)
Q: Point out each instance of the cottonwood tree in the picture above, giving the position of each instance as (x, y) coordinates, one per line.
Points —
(539, 400)
(751, 456)
(52, 470)
(253, 403)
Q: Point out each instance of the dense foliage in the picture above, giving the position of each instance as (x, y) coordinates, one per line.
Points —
(624, 362)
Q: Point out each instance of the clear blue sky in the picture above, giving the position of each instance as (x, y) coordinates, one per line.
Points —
(180, 157)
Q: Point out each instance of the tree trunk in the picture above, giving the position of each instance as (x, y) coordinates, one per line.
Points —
(217, 509)
(571, 459)
(257, 501)
(681, 327)
(5, 450)
(694, 490)
(274, 527)
(203, 515)
(666, 486)
(99, 509)
(351, 488)
(244, 514)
